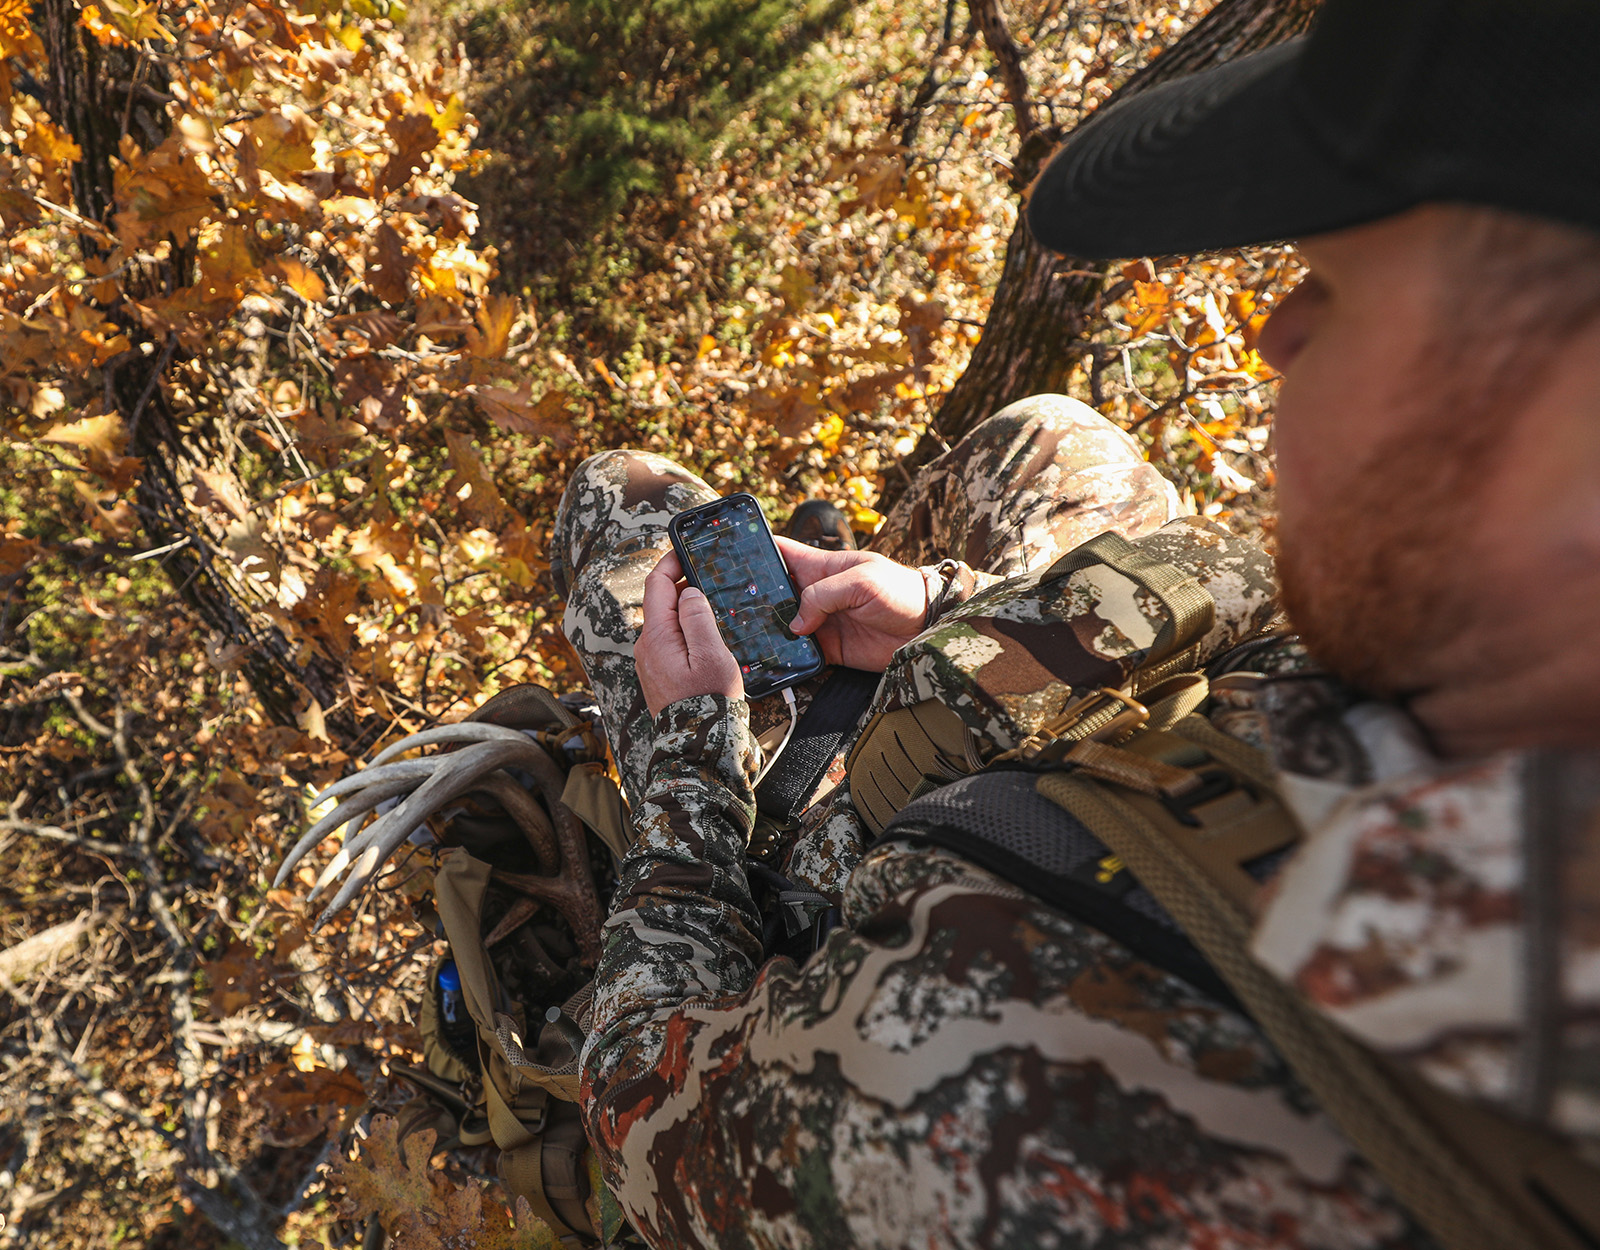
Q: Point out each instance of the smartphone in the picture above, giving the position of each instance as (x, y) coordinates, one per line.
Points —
(727, 551)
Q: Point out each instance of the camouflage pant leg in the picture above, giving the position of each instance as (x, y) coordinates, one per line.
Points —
(610, 531)
(1040, 477)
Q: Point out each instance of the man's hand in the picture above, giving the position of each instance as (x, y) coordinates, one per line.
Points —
(860, 607)
(680, 653)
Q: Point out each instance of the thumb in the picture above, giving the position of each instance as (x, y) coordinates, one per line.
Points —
(699, 625)
(820, 600)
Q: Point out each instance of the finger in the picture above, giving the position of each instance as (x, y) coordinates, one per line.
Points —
(700, 633)
(661, 597)
(669, 565)
(823, 599)
(809, 564)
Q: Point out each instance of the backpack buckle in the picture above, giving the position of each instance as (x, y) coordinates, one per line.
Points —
(1102, 715)
(1213, 784)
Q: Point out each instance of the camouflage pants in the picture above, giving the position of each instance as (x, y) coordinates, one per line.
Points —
(1034, 481)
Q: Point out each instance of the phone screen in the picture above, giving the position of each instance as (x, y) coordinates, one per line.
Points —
(727, 551)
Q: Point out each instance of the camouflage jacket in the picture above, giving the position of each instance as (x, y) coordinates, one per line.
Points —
(962, 1065)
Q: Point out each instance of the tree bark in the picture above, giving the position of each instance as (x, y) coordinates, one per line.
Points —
(93, 97)
(1043, 302)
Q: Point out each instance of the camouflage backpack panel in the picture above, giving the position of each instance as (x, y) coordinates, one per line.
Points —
(1013, 663)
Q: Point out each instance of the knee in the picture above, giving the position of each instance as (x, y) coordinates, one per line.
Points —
(607, 467)
(1056, 415)
(612, 498)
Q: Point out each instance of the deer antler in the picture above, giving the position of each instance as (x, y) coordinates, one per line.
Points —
(565, 882)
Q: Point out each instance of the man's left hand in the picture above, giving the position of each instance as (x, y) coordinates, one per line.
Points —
(680, 653)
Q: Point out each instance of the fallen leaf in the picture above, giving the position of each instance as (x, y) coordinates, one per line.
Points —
(388, 266)
(472, 486)
(300, 279)
(414, 136)
(550, 418)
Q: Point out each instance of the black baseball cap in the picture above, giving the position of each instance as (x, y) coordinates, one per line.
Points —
(1385, 105)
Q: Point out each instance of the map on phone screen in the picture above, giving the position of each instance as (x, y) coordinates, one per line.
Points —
(739, 569)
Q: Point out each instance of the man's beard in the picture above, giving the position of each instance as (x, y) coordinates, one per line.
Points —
(1381, 578)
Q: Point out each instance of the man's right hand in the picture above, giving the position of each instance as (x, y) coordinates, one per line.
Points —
(860, 607)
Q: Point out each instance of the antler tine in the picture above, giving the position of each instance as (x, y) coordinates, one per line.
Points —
(464, 731)
(456, 774)
(417, 770)
(348, 813)
(572, 891)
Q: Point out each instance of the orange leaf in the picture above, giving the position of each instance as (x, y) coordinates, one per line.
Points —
(283, 141)
(300, 279)
(496, 316)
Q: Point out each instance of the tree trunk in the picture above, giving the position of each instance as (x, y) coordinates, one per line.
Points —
(1043, 301)
(95, 96)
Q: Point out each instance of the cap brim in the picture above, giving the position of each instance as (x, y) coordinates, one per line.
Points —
(1215, 160)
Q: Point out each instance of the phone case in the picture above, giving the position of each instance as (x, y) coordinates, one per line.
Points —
(761, 687)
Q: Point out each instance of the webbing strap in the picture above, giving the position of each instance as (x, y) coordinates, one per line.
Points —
(1457, 1203)
(1190, 609)
(834, 712)
(522, 1172)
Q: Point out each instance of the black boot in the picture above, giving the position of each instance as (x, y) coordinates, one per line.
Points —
(817, 523)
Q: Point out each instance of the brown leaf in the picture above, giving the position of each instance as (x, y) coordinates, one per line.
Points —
(220, 491)
(326, 611)
(238, 979)
(104, 434)
(419, 1208)
(920, 320)
(550, 418)
(108, 513)
(16, 552)
(414, 136)
(312, 723)
(316, 428)
(863, 393)
(392, 1178)
(378, 328)
(388, 266)
(472, 486)
(283, 141)
(159, 193)
(455, 217)
(303, 1106)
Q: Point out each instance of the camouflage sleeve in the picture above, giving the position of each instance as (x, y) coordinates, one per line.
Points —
(959, 1066)
(683, 924)
(953, 582)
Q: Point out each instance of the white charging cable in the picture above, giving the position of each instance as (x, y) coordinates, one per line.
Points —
(794, 719)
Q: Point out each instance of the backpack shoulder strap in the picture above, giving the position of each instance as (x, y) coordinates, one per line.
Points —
(1182, 809)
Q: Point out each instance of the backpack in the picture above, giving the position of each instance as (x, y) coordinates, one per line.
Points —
(1163, 831)
(529, 794)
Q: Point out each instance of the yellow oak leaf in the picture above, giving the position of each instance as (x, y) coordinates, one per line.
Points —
(283, 141)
